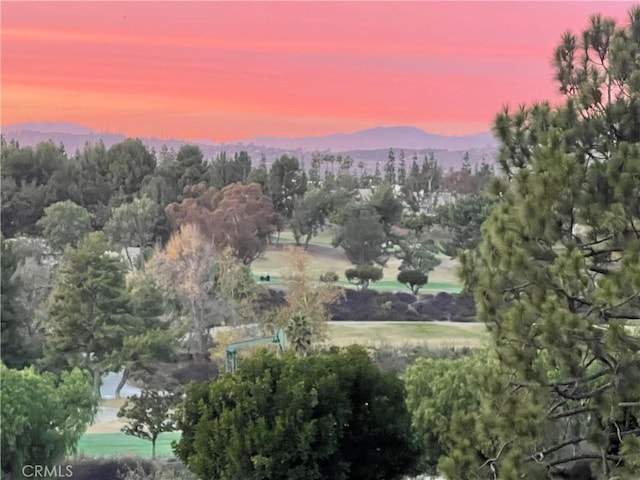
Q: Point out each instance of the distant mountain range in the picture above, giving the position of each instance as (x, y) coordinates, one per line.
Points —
(369, 145)
(410, 138)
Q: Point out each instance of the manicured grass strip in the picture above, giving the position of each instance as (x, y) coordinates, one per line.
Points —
(273, 279)
(381, 285)
(286, 240)
(115, 444)
(401, 333)
(393, 285)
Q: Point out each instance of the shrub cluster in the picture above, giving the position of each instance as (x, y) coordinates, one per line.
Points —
(371, 305)
(396, 360)
(128, 468)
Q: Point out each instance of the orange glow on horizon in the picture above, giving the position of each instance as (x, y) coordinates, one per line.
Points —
(233, 70)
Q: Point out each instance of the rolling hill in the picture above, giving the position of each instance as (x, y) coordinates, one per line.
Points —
(370, 146)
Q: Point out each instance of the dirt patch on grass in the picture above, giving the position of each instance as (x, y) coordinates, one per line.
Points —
(113, 402)
(107, 420)
(401, 334)
(107, 427)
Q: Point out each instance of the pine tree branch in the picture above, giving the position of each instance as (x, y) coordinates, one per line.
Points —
(627, 300)
(582, 396)
(585, 456)
(615, 316)
(539, 456)
(602, 271)
(593, 253)
(517, 287)
(491, 461)
(555, 407)
(574, 381)
(586, 246)
(573, 411)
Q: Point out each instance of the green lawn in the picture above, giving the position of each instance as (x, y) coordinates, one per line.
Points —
(113, 444)
(404, 333)
(323, 241)
(323, 258)
(394, 285)
(382, 285)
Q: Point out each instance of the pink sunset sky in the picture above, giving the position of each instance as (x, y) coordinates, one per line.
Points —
(224, 71)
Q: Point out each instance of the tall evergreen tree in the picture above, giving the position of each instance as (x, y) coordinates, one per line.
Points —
(90, 310)
(314, 170)
(189, 167)
(377, 176)
(390, 168)
(402, 169)
(92, 165)
(224, 171)
(287, 181)
(13, 349)
(389, 208)
(129, 163)
(361, 235)
(557, 276)
(430, 174)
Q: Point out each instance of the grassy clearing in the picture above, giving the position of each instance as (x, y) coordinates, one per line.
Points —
(324, 237)
(117, 444)
(409, 333)
(323, 258)
(113, 402)
(105, 440)
(277, 262)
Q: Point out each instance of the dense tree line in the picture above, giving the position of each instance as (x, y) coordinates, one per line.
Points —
(550, 250)
(188, 230)
(99, 180)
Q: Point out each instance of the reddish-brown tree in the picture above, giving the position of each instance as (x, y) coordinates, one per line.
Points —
(238, 216)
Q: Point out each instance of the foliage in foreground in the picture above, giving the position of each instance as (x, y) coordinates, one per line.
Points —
(127, 467)
(333, 415)
(441, 391)
(42, 417)
(557, 276)
(149, 415)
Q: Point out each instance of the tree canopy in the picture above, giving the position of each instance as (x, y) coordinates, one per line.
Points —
(148, 415)
(305, 316)
(557, 274)
(90, 309)
(238, 216)
(361, 235)
(129, 162)
(287, 181)
(12, 314)
(333, 415)
(64, 223)
(441, 395)
(463, 220)
(388, 207)
(363, 274)
(132, 225)
(43, 417)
